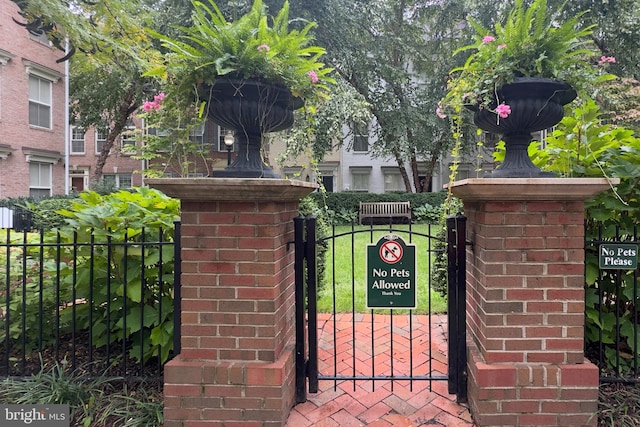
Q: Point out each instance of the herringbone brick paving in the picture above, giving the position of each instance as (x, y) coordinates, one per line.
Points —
(381, 403)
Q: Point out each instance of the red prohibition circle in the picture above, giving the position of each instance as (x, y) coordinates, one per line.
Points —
(390, 252)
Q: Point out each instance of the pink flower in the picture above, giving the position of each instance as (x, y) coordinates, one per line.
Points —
(440, 114)
(503, 110)
(264, 48)
(148, 106)
(605, 59)
(313, 76)
(488, 39)
(502, 46)
(155, 104)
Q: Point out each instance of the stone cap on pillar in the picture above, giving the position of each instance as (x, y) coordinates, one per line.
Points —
(232, 189)
(565, 189)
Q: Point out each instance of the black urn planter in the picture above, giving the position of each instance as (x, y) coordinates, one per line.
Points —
(536, 104)
(251, 108)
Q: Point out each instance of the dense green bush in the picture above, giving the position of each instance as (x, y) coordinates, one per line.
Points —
(582, 146)
(309, 207)
(43, 212)
(118, 217)
(99, 278)
(343, 207)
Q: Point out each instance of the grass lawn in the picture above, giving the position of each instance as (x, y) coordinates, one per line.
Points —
(346, 279)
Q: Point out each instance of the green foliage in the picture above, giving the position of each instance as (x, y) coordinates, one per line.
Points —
(440, 273)
(93, 401)
(253, 46)
(532, 41)
(582, 146)
(133, 407)
(343, 207)
(309, 207)
(94, 269)
(32, 293)
(45, 212)
(427, 213)
(53, 385)
(115, 270)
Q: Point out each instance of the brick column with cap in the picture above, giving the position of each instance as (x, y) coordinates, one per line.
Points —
(236, 365)
(525, 301)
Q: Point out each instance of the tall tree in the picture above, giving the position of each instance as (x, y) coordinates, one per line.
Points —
(387, 52)
(106, 44)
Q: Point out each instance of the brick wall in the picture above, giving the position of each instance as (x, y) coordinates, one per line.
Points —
(18, 49)
(525, 299)
(237, 286)
(237, 365)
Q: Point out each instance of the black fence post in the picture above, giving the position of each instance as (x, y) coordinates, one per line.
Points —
(457, 328)
(301, 390)
(177, 295)
(312, 301)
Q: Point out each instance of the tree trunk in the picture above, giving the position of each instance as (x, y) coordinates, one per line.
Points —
(117, 125)
(403, 172)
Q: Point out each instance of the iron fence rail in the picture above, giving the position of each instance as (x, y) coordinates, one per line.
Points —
(343, 360)
(93, 302)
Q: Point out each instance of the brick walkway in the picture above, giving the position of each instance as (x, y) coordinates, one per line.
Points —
(382, 403)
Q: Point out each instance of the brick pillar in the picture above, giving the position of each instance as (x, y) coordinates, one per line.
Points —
(236, 366)
(525, 301)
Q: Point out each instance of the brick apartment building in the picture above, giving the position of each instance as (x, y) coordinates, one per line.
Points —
(32, 111)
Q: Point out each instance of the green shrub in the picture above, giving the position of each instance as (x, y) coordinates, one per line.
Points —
(32, 296)
(582, 146)
(343, 207)
(43, 211)
(118, 217)
(92, 401)
(309, 207)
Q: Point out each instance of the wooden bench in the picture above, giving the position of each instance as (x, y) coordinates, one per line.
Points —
(385, 210)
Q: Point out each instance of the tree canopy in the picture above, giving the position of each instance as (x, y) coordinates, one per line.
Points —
(393, 55)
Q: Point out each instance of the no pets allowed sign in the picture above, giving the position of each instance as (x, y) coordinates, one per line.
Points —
(391, 273)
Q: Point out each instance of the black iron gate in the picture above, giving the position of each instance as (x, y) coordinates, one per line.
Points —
(411, 334)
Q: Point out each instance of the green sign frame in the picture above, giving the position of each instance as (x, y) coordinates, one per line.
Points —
(391, 274)
(618, 256)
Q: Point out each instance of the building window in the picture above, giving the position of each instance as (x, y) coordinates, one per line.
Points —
(196, 135)
(393, 182)
(360, 179)
(360, 137)
(222, 132)
(122, 180)
(128, 138)
(39, 102)
(77, 140)
(39, 179)
(40, 38)
(101, 138)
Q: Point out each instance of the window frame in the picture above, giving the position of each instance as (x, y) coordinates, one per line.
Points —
(360, 137)
(100, 141)
(75, 129)
(39, 186)
(40, 103)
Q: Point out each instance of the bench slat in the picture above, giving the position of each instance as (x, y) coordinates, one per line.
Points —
(384, 210)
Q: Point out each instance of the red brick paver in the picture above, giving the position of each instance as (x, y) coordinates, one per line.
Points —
(381, 403)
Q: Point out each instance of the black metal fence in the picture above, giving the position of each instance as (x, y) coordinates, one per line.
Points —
(612, 333)
(318, 355)
(94, 301)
